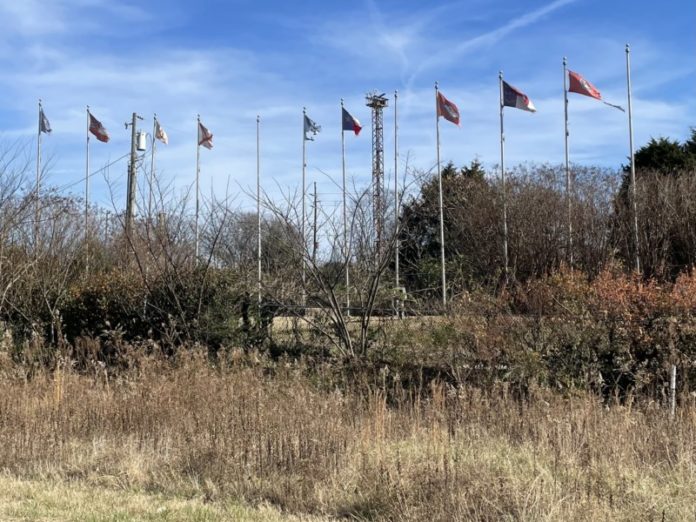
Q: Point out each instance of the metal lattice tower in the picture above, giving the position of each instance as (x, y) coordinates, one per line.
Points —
(377, 102)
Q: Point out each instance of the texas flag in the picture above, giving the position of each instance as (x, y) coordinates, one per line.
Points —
(350, 123)
(513, 97)
(447, 109)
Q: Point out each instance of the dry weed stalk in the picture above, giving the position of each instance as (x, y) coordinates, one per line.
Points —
(257, 431)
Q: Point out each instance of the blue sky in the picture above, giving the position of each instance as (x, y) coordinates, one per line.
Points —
(230, 61)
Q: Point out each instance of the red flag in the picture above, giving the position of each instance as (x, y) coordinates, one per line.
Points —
(580, 85)
(447, 109)
(205, 137)
(96, 128)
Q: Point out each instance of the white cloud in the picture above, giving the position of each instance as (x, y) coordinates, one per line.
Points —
(229, 85)
(453, 53)
(31, 18)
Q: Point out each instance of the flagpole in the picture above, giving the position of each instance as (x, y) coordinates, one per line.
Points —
(304, 237)
(152, 169)
(346, 246)
(567, 164)
(38, 183)
(439, 182)
(315, 243)
(503, 178)
(258, 205)
(633, 162)
(396, 201)
(87, 199)
(198, 174)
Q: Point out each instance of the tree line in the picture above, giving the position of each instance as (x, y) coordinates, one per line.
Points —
(537, 214)
(149, 285)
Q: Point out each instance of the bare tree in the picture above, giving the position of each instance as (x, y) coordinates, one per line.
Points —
(347, 329)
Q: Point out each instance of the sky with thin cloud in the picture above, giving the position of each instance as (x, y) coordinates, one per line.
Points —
(229, 61)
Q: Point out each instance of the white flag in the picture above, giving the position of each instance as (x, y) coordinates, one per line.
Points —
(160, 134)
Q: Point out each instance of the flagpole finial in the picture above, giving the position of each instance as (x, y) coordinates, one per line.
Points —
(437, 85)
(304, 110)
(500, 75)
(258, 118)
(396, 93)
(628, 48)
(565, 61)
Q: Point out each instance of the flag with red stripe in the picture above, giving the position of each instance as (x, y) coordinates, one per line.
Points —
(513, 97)
(350, 122)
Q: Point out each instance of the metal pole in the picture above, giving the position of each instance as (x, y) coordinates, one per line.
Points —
(152, 170)
(503, 178)
(304, 210)
(314, 228)
(258, 205)
(148, 219)
(633, 162)
(198, 174)
(439, 182)
(87, 199)
(396, 202)
(38, 185)
(567, 164)
(346, 245)
(396, 188)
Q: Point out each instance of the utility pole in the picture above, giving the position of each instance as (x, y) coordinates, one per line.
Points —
(130, 201)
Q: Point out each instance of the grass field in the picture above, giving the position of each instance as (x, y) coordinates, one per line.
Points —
(250, 438)
(48, 499)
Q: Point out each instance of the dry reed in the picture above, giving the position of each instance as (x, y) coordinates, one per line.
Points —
(279, 433)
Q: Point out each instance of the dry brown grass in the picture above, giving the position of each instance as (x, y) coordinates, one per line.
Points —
(282, 434)
(41, 500)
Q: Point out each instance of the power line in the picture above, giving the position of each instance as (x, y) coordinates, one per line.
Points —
(83, 178)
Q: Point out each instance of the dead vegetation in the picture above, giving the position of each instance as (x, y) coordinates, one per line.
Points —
(248, 429)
